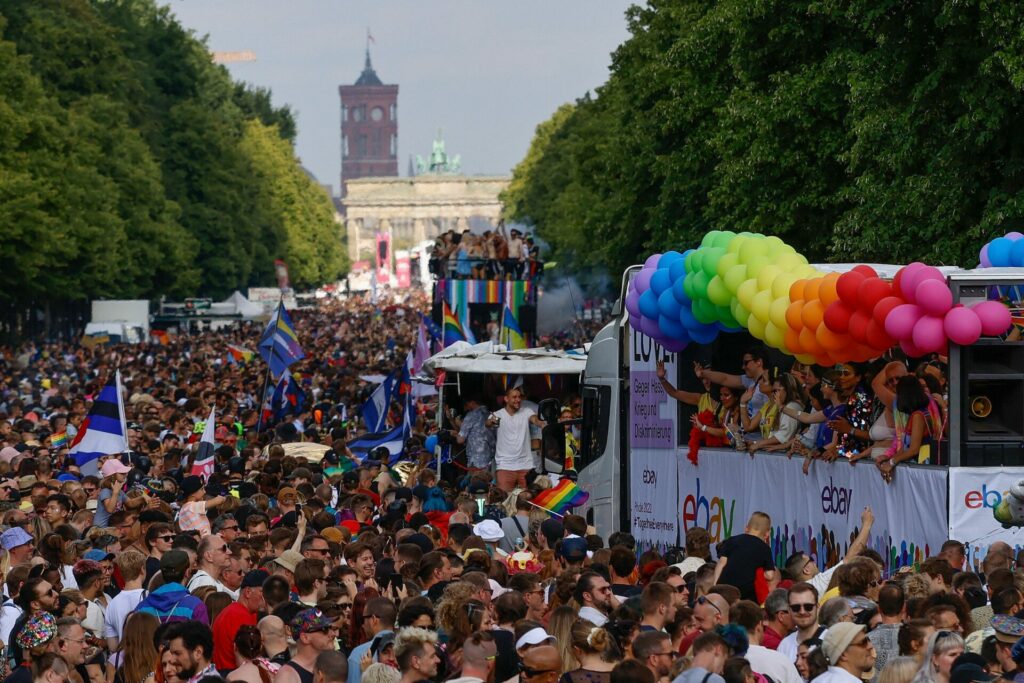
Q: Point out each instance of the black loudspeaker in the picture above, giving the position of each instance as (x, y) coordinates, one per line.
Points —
(437, 313)
(528, 318)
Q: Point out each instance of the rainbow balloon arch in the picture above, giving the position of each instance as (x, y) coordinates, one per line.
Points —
(759, 283)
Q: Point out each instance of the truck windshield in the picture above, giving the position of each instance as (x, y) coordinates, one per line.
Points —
(594, 432)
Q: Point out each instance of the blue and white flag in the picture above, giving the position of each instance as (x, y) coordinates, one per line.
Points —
(279, 345)
(393, 440)
(103, 432)
(203, 465)
(375, 410)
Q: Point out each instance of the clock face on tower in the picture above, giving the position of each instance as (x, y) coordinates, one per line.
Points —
(376, 113)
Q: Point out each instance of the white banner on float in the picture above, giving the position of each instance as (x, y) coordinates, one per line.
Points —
(974, 495)
(818, 513)
(652, 445)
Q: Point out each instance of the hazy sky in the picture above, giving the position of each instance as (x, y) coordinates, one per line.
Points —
(485, 71)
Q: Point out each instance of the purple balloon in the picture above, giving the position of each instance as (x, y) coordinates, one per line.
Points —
(674, 345)
(635, 322)
(983, 257)
(650, 327)
(1013, 235)
(643, 279)
(652, 261)
(633, 303)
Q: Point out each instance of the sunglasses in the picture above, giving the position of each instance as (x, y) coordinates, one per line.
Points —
(532, 673)
(681, 588)
(798, 607)
(704, 601)
(168, 538)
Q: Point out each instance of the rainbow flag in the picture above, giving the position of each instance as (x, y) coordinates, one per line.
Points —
(59, 440)
(240, 354)
(453, 331)
(559, 498)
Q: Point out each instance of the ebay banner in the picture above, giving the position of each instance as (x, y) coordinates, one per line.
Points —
(652, 443)
(818, 513)
(975, 493)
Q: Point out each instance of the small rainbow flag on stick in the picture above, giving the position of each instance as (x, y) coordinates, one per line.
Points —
(59, 440)
(453, 331)
(559, 498)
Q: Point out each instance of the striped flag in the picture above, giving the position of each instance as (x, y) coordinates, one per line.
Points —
(59, 440)
(103, 432)
(203, 464)
(453, 331)
(511, 334)
(279, 345)
(559, 498)
(393, 440)
(240, 354)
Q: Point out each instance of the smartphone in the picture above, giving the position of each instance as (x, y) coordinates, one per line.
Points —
(396, 581)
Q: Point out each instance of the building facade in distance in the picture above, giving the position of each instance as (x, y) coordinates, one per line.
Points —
(369, 128)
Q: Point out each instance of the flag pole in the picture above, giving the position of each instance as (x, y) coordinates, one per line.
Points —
(550, 512)
(266, 380)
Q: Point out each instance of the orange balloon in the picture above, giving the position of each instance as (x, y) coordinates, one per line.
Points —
(809, 342)
(791, 340)
(811, 288)
(793, 318)
(796, 290)
(824, 360)
(829, 340)
(812, 313)
(827, 291)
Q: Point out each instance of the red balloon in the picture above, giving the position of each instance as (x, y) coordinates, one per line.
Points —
(847, 286)
(884, 307)
(859, 326)
(866, 271)
(876, 336)
(870, 292)
(837, 317)
(896, 291)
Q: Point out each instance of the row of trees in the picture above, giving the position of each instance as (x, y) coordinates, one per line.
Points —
(132, 166)
(857, 131)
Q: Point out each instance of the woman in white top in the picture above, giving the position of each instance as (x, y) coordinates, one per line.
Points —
(788, 393)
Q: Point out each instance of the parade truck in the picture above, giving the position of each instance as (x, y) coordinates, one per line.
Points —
(634, 446)
(116, 321)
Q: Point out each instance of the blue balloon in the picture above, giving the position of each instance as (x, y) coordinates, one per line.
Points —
(726, 328)
(679, 292)
(649, 304)
(703, 334)
(1000, 252)
(677, 270)
(668, 258)
(1017, 253)
(687, 319)
(660, 281)
(668, 305)
(430, 443)
(671, 328)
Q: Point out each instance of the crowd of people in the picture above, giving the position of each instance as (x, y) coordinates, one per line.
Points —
(492, 255)
(883, 411)
(345, 568)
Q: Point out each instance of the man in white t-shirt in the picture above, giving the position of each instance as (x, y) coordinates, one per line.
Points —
(512, 455)
(132, 565)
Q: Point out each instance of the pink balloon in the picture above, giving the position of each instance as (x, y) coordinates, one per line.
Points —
(899, 324)
(934, 297)
(901, 279)
(962, 326)
(929, 334)
(911, 350)
(910, 283)
(643, 279)
(994, 316)
(1013, 236)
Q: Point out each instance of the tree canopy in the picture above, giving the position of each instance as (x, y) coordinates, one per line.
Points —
(132, 166)
(856, 131)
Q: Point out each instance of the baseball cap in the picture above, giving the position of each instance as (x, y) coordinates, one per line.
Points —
(535, 636)
(255, 579)
(14, 537)
(838, 638)
(114, 466)
(310, 621)
(574, 549)
(289, 559)
(97, 555)
(489, 530)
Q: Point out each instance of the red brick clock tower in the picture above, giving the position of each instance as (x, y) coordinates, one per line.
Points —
(369, 127)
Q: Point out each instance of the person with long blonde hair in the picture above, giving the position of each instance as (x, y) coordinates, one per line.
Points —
(596, 652)
(136, 658)
(560, 626)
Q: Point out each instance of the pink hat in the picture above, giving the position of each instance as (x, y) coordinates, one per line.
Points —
(114, 466)
(8, 453)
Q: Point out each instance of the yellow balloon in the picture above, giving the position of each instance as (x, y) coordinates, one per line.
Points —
(774, 336)
(755, 327)
(755, 264)
(729, 260)
(735, 276)
(781, 285)
(717, 293)
(735, 244)
(788, 262)
(777, 313)
(767, 276)
(761, 306)
(752, 248)
(746, 292)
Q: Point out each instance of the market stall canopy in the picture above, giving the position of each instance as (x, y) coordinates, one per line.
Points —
(487, 358)
(312, 452)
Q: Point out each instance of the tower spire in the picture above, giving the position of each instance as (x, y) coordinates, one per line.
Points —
(369, 76)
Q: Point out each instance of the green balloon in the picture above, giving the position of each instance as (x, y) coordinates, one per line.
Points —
(723, 238)
(697, 262)
(709, 238)
(700, 285)
(739, 313)
(688, 261)
(704, 311)
(709, 263)
(734, 277)
(717, 292)
(688, 286)
(725, 317)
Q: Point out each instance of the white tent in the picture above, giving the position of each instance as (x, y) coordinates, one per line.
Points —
(487, 358)
(238, 304)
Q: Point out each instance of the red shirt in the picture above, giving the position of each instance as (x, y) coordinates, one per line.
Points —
(770, 639)
(225, 627)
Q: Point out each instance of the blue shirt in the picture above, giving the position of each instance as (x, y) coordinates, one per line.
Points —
(355, 672)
